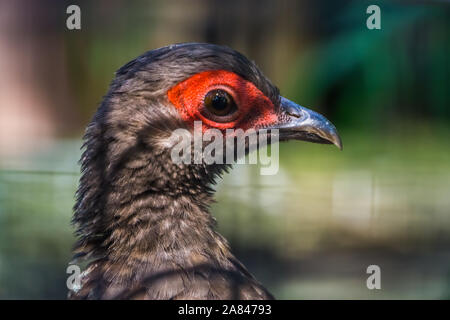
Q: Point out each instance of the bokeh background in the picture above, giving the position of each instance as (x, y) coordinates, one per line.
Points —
(310, 231)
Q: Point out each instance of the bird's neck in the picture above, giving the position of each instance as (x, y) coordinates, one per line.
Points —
(145, 221)
(157, 233)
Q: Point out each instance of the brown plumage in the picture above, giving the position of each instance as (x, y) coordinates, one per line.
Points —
(142, 221)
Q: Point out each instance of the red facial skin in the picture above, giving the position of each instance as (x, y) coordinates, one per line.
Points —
(254, 108)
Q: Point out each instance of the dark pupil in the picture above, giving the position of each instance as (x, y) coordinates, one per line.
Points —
(219, 101)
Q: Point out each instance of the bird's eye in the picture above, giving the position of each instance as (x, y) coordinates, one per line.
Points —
(219, 105)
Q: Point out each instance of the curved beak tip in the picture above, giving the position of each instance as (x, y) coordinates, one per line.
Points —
(308, 125)
(329, 135)
(338, 143)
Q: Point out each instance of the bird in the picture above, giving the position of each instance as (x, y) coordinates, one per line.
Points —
(143, 222)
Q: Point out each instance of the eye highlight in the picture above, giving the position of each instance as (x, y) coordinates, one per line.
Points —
(219, 106)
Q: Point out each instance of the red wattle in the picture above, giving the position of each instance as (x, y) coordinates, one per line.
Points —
(254, 108)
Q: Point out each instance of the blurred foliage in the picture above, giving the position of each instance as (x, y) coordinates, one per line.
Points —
(377, 79)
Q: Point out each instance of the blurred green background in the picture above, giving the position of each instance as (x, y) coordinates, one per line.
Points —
(311, 230)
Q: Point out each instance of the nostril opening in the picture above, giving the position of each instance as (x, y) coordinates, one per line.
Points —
(294, 112)
(291, 108)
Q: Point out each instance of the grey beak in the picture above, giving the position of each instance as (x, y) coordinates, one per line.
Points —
(300, 123)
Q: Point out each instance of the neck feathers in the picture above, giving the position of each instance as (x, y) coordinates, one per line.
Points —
(138, 213)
